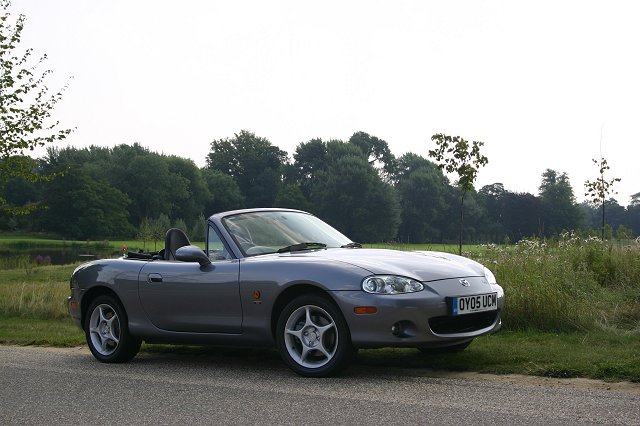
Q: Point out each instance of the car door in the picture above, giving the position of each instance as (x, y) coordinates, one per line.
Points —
(185, 297)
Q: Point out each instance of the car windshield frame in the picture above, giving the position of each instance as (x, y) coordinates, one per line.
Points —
(265, 232)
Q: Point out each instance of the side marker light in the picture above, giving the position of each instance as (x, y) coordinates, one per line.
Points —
(364, 310)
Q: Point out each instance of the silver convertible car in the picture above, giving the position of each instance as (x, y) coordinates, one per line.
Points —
(285, 278)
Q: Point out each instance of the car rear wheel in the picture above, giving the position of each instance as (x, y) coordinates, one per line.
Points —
(313, 337)
(107, 331)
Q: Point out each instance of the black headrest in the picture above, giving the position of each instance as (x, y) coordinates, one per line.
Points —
(173, 240)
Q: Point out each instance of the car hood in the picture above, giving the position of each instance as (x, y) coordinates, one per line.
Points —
(420, 265)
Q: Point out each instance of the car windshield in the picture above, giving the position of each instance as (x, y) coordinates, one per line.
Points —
(269, 231)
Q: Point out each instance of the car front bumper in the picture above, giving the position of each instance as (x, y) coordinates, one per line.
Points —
(420, 319)
(73, 307)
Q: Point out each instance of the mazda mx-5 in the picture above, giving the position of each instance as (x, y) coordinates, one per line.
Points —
(284, 278)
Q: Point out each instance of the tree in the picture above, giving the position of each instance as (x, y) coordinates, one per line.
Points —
(154, 183)
(25, 106)
(18, 191)
(82, 207)
(344, 187)
(145, 232)
(199, 230)
(454, 154)
(599, 189)
(493, 198)
(521, 215)
(632, 216)
(225, 193)
(253, 162)
(189, 192)
(159, 228)
(559, 209)
(309, 159)
(377, 153)
(181, 224)
(421, 187)
(312, 160)
(21, 192)
(150, 187)
(616, 215)
(155, 229)
(476, 222)
(290, 196)
(350, 195)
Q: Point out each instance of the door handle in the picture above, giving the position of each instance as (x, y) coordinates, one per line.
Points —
(154, 278)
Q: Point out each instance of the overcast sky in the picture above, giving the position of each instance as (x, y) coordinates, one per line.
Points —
(537, 82)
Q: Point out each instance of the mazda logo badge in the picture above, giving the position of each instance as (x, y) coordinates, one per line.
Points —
(465, 283)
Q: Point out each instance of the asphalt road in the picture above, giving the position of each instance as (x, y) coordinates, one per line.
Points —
(241, 386)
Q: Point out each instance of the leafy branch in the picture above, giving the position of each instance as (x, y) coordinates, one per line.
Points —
(26, 105)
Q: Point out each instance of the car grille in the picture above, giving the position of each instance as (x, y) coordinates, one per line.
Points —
(463, 323)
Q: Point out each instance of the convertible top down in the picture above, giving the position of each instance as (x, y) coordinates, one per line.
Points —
(283, 277)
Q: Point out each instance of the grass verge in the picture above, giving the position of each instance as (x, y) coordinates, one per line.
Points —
(602, 356)
(595, 355)
(30, 331)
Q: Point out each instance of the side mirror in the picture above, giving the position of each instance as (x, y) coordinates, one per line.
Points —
(192, 254)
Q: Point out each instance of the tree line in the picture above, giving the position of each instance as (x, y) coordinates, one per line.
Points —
(357, 185)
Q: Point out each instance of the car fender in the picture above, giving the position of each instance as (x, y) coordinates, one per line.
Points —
(261, 298)
(117, 276)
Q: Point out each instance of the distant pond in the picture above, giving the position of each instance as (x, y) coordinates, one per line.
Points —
(54, 255)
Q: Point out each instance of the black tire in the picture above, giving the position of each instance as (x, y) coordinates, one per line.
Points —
(312, 336)
(446, 349)
(107, 331)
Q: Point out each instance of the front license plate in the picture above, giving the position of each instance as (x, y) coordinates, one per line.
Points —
(462, 305)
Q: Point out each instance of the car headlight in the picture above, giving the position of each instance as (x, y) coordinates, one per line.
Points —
(489, 276)
(390, 284)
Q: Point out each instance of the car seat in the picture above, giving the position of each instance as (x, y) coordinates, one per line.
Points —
(173, 240)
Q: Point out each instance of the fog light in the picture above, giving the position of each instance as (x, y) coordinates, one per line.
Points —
(404, 329)
(396, 329)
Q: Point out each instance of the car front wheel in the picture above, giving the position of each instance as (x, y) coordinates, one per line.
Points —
(107, 331)
(313, 337)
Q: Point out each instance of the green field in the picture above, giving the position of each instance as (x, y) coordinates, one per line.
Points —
(572, 310)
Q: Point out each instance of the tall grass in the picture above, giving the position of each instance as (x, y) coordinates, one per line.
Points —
(38, 292)
(571, 284)
(16, 262)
